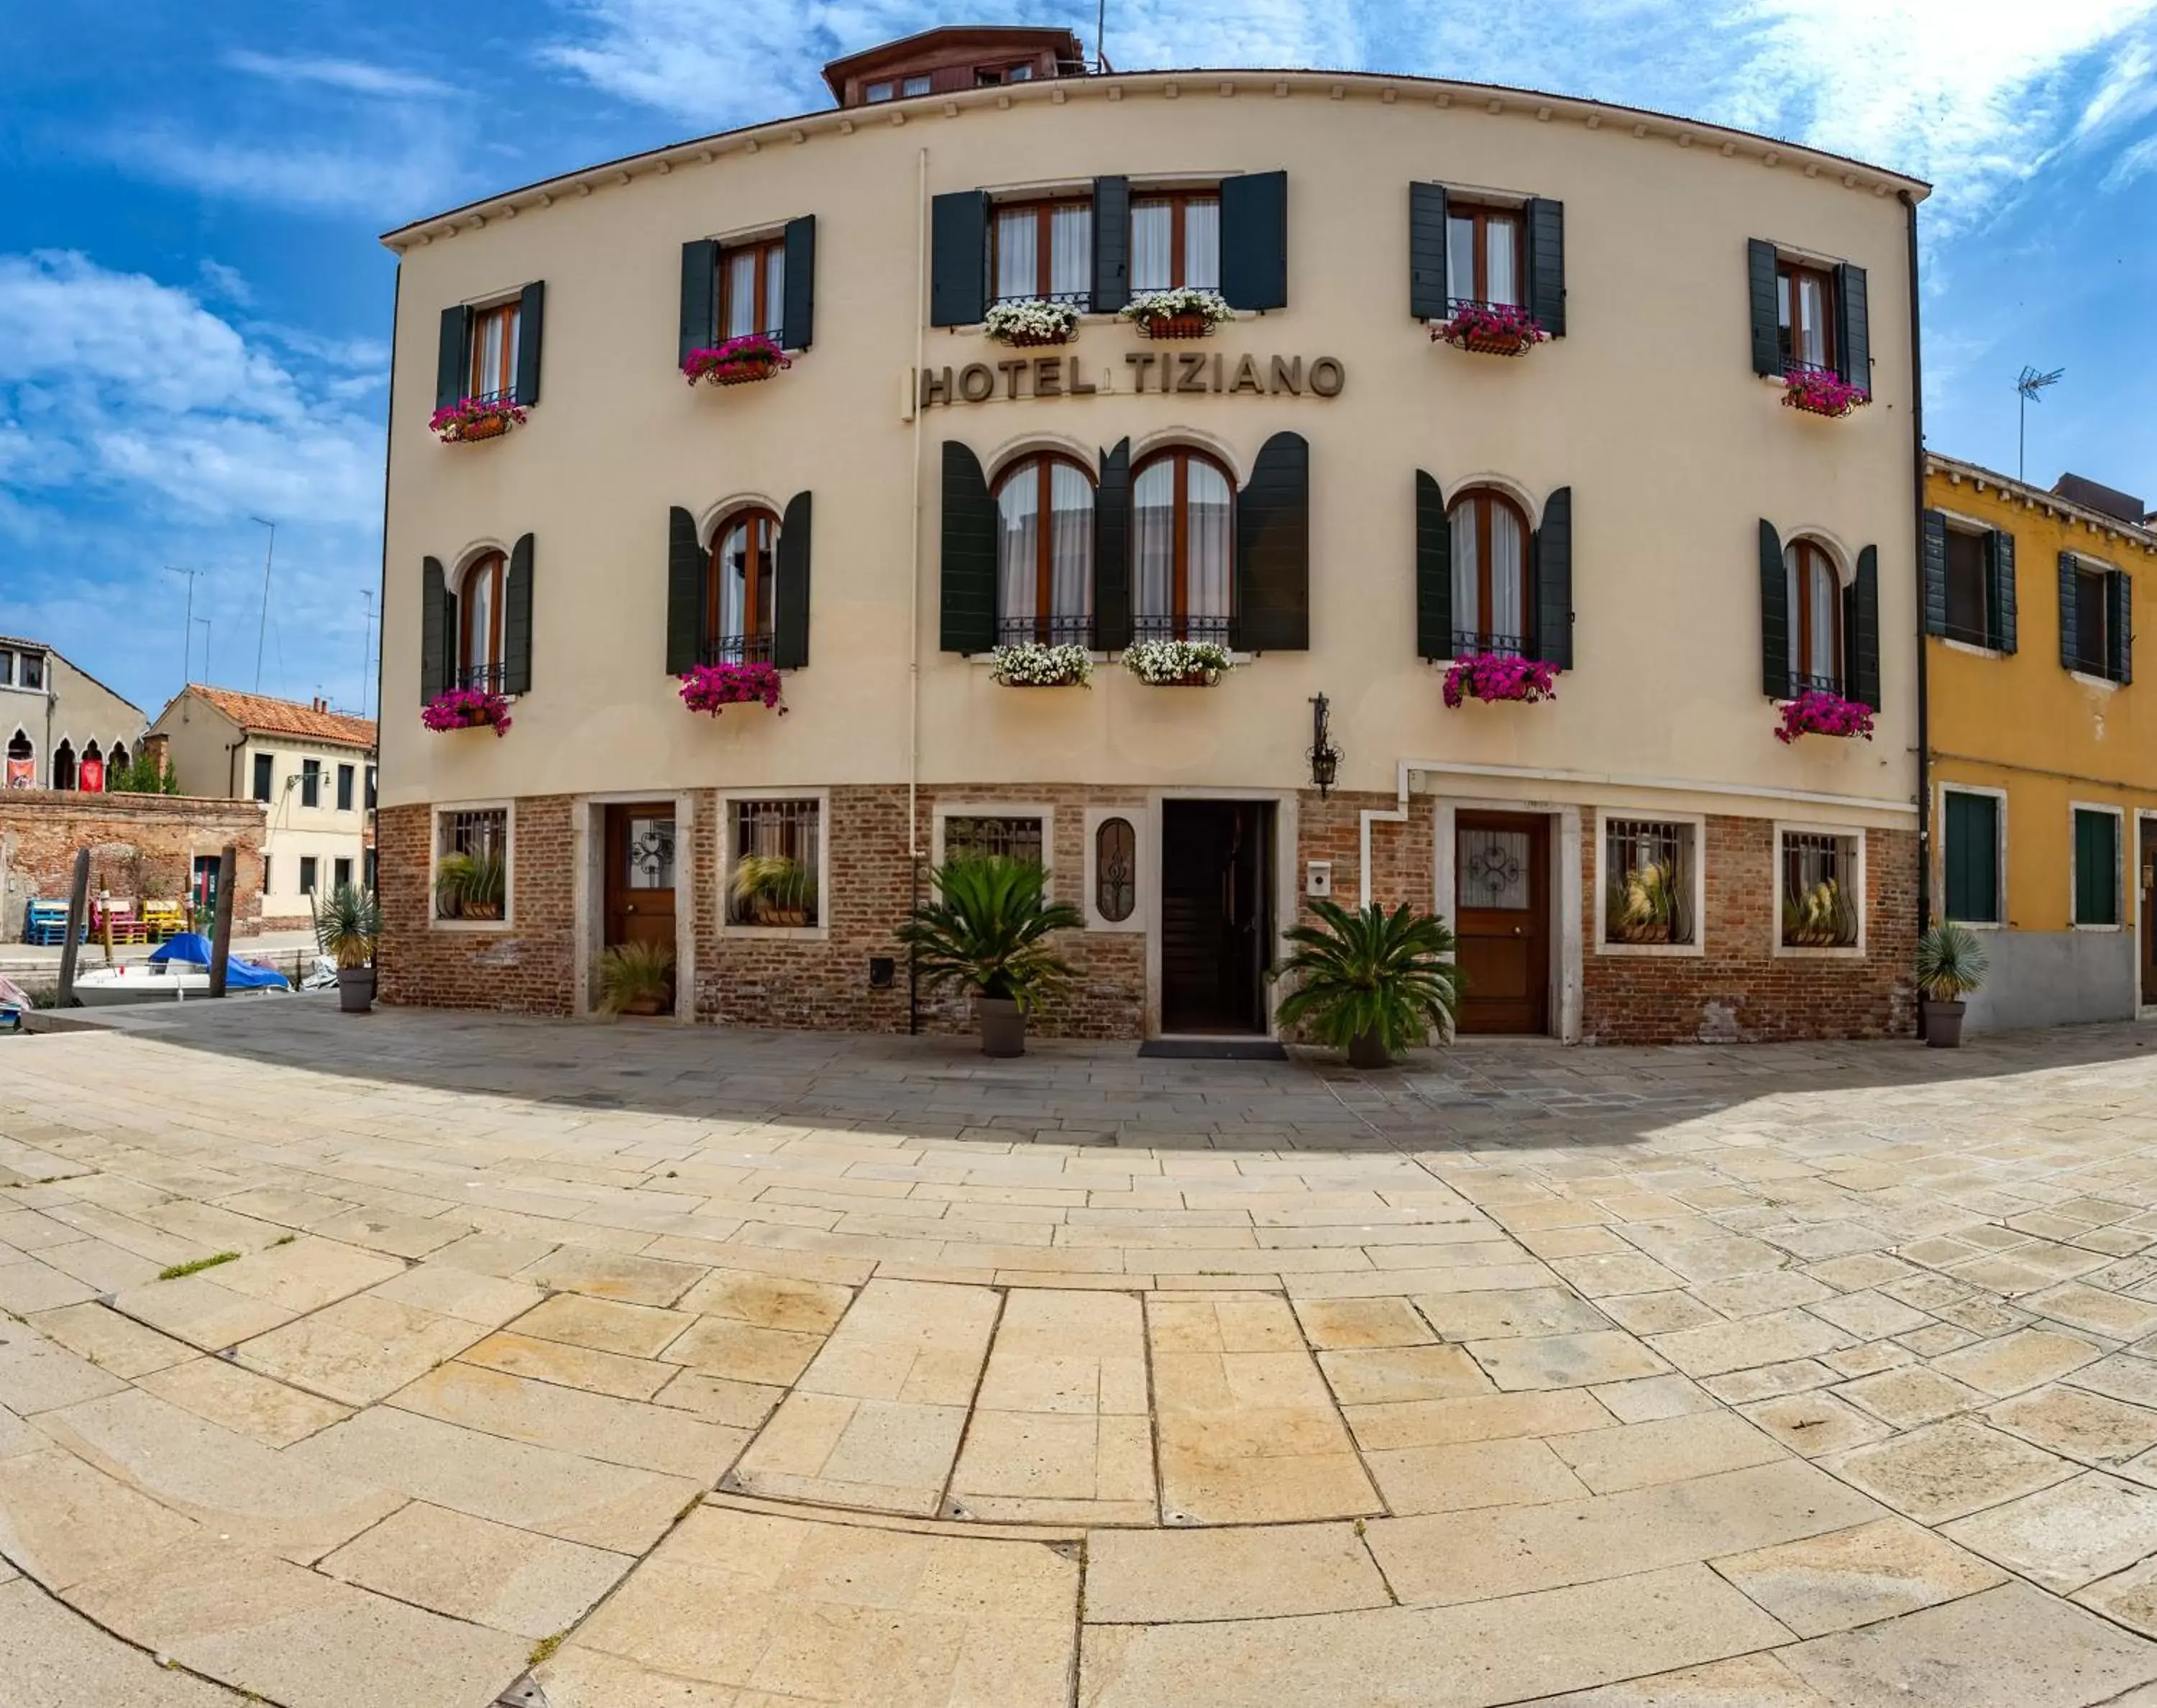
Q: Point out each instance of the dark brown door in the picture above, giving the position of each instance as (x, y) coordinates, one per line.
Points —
(1501, 915)
(640, 874)
(1216, 914)
(2149, 874)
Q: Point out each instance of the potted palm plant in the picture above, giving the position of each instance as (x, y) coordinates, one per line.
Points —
(1372, 982)
(348, 927)
(1950, 965)
(987, 929)
(636, 978)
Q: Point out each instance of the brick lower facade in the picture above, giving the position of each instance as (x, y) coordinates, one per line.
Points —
(142, 847)
(1740, 989)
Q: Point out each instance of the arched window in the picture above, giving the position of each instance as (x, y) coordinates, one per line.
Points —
(117, 764)
(1816, 595)
(1491, 612)
(1182, 508)
(21, 761)
(1115, 870)
(740, 576)
(64, 766)
(1045, 553)
(479, 624)
(89, 774)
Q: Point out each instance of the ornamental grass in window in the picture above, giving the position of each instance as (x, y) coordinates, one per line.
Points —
(739, 361)
(714, 687)
(1820, 391)
(1644, 906)
(1031, 320)
(1032, 665)
(1818, 712)
(470, 887)
(469, 418)
(1821, 916)
(1499, 675)
(1177, 664)
(770, 889)
(1491, 329)
(466, 708)
(1185, 312)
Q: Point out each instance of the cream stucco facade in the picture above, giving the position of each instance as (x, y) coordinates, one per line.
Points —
(1648, 409)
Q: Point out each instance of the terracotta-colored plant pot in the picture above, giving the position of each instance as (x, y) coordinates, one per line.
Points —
(1194, 679)
(746, 373)
(1178, 325)
(486, 427)
(1514, 344)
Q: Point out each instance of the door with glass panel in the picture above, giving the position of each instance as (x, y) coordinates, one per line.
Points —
(640, 874)
(1501, 917)
(2148, 869)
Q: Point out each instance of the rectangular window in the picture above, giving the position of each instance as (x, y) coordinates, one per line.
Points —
(341, 873)
(307, 874)
(1820, 899)
(310, 782)
(367, 865)
(876, 91)
(913, 86)
(1648, 890)
(493, 373)
(1804, 315)
(1176, 241)
(983, 836)
(265, 765)
(1483, 259)
(32, 673)
(2096, 867)
(370, 788)
(753, 288)
(777, 853)
(6, 667)
(345, 777)
(471, 864)
(2093, 622)
(265, 874)
(1972, 857)
(1045, 250)
(1968, 617)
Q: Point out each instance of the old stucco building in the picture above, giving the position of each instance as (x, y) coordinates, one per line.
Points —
(1349, 505)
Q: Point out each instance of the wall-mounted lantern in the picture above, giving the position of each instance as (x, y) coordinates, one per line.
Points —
(1325, 758)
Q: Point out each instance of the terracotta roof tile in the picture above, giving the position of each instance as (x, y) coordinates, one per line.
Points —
(261, 713)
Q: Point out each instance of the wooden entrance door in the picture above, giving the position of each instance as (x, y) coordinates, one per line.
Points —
(640, 874)
(1216, 914)
(1501, 915)
(2148, 871)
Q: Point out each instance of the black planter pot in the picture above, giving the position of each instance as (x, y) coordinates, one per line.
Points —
(355, 988)
(1368, 1050)
(1943, 1025)
(1003, 1026)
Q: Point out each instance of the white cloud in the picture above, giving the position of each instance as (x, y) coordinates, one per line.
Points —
(228, 283)
(373, 176)
(355, 76)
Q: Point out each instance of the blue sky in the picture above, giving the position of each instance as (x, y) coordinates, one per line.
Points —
(194, 311)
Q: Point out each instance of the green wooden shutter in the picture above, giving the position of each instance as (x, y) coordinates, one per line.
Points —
(1112, 550)
(2000, 577)
(1853, 336)
(1426, 293)
(1972, 858)
(969, 577)
(1547, 264)
(453, 357)
(2067, 651)
(2119, 632)
(1864, 629)
(1112, 243)
(1766, 342)
(434, 628)
(685, 592)
(1434, 570)
(1273, 549)
(531, 321)
(1936, 572)
(797, 324)
(789, 613)
(1774, 616)
(959, 258)
(516, 620)
(1255, 239)
(1553, 570)
(700, 297)
(2097, 869)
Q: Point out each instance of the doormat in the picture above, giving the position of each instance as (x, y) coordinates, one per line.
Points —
(1214, 1049)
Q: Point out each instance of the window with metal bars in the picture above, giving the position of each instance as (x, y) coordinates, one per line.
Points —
(1647, 894)
(1820, 899)
(994, 836)
(472, 863)
(774, 875)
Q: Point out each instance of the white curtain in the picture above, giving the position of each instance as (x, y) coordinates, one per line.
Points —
(733, 581)
(1070, 543)
(1202, 245)
(1071, 250)
(774, 289)
(1467, 571)
(1152, 223)
(1206, 536)
(741, 295)
(1503, 624)
(1017, 252)
(486, 355)
(1018, 512)
(1500, 248)
(1153, 515)
(1460, 261)
(1826, 615)
(479, 613)
(1811, 340)
(1813, 632)
(1507, 582)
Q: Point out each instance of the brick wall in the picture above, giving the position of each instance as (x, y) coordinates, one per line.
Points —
(142, 847)
(1740, 989)
(1403, 858)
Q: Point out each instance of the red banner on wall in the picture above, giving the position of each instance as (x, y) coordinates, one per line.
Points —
(90, 777)
(22, 773)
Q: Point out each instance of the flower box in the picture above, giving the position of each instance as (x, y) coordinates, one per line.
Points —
(1177, 664)
(469, 418)
(466, 708)
(714, 687)
(1491, 330)
(1181, 313)
(1493, 676)
(1031, 322)
(1030, 665)
(1818, 712)
(1818, 391)
(737, 361)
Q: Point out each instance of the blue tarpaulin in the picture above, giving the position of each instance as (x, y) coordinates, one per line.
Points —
(239, 974)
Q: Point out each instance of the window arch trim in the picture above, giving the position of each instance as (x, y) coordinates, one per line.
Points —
(744, 634)
(1478, 630)
(1064, 621)
(1802, 554)
(1180, 622)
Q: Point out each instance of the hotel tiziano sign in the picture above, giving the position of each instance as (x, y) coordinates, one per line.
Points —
(1164, 372)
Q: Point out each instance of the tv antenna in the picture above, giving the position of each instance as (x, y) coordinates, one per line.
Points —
(187, 632)
(2029, 388)
(263, 626)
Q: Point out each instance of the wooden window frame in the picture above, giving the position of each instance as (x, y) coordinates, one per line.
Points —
(768, 316)
(1043, 466)
(495, 565)
(2088, 577)
(1044, 259)
(1987, 636)
(1179, 575)
(1479, 214)
(310, 783)
(1801, 616)
(763, 567)
(1789, 275)
(503, 382)
(1482, 497)
(1178, 203)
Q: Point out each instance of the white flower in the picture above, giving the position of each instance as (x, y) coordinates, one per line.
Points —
(1170, 305)
(1033, 665)
(1160, 662)
(1031, 317)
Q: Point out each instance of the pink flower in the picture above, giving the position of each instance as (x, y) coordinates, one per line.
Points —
(1496, 676)
(454, 421)
(714, 687)
(466, 708)
(752, 353)
(1493, 328)
(1819, 393)
(1817, 712)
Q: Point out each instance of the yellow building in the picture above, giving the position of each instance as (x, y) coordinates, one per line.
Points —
(2042, 751)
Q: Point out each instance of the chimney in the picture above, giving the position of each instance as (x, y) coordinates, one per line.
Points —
(320, 704)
